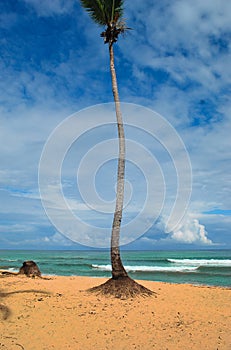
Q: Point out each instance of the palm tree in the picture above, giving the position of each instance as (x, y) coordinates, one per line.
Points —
(108, 13)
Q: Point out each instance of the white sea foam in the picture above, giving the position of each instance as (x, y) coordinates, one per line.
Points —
(202, 262)
(11, 269)
(149, 268)
(10, 260)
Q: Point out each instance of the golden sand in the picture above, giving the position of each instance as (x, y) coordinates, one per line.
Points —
(58, 313)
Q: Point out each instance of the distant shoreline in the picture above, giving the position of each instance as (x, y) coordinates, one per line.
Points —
(210, 268)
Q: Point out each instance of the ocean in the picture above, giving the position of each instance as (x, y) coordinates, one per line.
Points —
(200, 267)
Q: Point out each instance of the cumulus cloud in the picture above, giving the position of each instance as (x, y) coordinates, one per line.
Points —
(191, 232)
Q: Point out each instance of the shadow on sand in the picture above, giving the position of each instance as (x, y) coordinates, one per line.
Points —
(5, 311)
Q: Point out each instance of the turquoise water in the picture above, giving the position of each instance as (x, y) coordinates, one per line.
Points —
(196, 267)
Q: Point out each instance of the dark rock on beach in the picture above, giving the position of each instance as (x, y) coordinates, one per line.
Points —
(30, 269)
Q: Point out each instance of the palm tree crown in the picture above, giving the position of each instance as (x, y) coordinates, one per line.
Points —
(103, 12)
(107, 13)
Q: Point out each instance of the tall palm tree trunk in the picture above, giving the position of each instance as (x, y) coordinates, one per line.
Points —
(118, 270)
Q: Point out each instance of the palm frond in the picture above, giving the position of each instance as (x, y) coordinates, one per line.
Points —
(96, 10)
(115, 8)
(104, 12)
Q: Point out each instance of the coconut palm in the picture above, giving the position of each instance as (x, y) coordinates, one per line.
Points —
(108, 13)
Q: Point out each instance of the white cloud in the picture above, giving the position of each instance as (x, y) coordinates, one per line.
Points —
(191, 232)
(57, 239)
(46, 8)
(189, 40)
(16, 228)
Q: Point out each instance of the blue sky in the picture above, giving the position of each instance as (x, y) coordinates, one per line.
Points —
(175, 61)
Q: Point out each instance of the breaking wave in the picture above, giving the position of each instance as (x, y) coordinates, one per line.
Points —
(202, 262)
(149, 268)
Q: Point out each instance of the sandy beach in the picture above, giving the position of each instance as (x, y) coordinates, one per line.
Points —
(58, 313)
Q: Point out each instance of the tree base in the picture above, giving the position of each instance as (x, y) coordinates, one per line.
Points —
(122, 288)
(30, 269)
